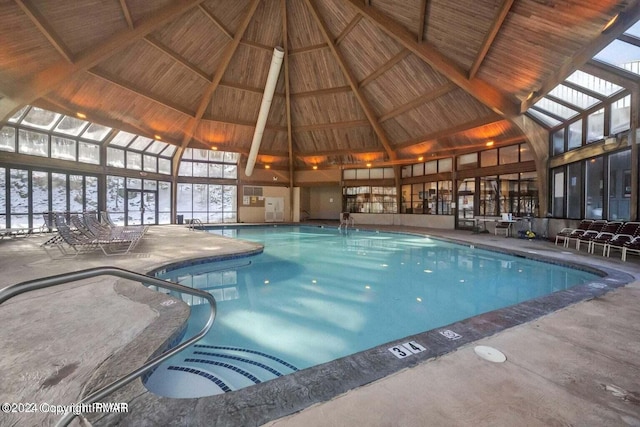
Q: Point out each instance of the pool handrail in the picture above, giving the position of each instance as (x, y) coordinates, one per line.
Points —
(45, 282)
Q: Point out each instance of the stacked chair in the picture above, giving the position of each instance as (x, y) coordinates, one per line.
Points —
(83, 233)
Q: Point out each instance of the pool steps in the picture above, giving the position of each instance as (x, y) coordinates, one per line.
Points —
(229, 368)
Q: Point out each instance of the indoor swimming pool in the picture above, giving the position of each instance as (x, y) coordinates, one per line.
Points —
(317, 294)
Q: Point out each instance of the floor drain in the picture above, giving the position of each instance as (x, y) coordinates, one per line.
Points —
(490, 354)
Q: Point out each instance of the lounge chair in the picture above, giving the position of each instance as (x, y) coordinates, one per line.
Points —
(631, 247)
(610, 229)
(566, 232)
(623, 235)
(596, 226)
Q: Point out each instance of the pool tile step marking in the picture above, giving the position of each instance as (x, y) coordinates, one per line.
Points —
(406, 349)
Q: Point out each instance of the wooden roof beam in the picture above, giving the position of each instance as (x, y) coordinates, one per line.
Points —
(501, 15)
(429, 96)
(329, 126)
(215, 21)
(309, 48)
(138, 91)
(356, 19)
(229, 50)
(364, 104)
(487, 94)
(482, 121)
(43, 26)
(423, 19)
(386, 67)
(320, 92)
(127, 13)
(177, 58)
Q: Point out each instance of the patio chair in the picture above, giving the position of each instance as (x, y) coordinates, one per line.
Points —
(631, 247)
(566, 232)
(628, 231)
(610, 229)
(596, 226)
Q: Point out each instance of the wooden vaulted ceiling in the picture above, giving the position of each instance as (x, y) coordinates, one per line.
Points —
(362, 81)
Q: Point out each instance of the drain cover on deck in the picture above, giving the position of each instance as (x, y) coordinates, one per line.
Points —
(490, 354)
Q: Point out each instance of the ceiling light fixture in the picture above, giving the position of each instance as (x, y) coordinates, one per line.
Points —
(420, 158)
(267, 166)
(368, 165)
(610, 24)
(81, 115)
(315, 167)
(158, 137)
(490, 144)
(214, 148)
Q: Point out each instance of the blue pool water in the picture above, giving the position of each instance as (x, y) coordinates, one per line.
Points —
(316, 294)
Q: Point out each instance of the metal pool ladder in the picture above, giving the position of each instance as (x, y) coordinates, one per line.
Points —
(46, 282)
(195, 223)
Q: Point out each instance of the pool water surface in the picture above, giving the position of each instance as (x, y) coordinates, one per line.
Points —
(318, 294)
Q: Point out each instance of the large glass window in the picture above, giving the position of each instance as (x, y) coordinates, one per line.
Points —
(489, 196)
(557, 206)
(33, 143)
(8, 139)
(207, 202)
(594, 186)
(574, 191)
(557, 143)
(370, 199)
(620, 115)
(595, 126)
(212, 164)
(620, 185)
(3, 198)
(63, 148)
(575, 134)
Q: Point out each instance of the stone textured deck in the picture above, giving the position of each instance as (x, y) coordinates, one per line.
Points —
(579, 365)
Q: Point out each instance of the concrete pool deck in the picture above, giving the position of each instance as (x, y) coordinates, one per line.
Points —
(579, 365)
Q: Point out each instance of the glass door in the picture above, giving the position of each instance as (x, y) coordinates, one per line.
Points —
(466, 194)
(149, 207)
(134, 207)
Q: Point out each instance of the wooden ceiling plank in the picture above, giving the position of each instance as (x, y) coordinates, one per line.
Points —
(127, 13)
(356, 19)
(173, 55)
(336, 152)
(430, 96)
(229, 51)
(630, 15)
(215, 21)
(246, 88)
(43, 26)
(237, 122)
(364, 104)
(386, 67)
(57, 74)
(138, 91)
(501, 15)
(487, 94)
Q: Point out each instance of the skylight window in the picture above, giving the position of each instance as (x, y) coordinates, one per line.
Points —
(122, 139)
(140, 143)
(549, 121)
(41, 119)
(18, 114)
(593, 83)
(96, 132)
(574, 97)
(555, 109)
(71, 126)
(622, 55)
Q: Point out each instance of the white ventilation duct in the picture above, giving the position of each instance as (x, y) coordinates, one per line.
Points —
(269, 89)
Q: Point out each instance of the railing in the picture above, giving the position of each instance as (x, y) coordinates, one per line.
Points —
(32, 285)
(195, 222)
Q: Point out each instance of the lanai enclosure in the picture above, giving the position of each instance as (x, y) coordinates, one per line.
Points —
(407, 112)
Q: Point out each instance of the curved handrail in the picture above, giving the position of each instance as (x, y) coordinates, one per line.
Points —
(32, 285)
